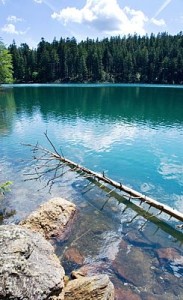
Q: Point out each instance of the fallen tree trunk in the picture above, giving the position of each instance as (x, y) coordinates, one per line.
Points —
(132, 193)
(87, 173)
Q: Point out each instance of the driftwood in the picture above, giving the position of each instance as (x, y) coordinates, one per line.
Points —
(146, 214)
(49, 156)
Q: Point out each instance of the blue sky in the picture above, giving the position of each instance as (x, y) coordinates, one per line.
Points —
(27, 21)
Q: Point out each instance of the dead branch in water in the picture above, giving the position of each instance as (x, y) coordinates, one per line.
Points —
(62, 165)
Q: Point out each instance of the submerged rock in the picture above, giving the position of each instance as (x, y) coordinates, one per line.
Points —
(171, 260)
(29, 269)
(52, 219)
(125, 294)
(90, 288)
(90, 269)
(135, 267)
(73, 255)
(168, 254)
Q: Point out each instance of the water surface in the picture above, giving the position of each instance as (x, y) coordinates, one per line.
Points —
(132, 132)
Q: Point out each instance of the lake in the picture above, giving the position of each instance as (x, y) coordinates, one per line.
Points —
(134, 133)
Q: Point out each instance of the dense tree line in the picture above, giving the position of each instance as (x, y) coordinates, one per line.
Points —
(144, 59)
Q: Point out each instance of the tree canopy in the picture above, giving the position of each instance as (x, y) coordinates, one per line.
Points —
(127, 59)
(6, 66)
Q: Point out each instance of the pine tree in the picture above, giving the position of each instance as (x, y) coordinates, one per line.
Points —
(144, 59)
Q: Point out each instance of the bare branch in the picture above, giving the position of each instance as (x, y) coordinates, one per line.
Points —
(62, 162)
(51, 143)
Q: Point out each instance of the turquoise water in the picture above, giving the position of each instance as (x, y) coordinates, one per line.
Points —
(132, 132)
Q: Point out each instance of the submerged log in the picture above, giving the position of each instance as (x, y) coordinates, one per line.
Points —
(87, 173)
(132, 193)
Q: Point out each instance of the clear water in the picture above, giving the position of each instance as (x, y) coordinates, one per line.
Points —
(132, 132)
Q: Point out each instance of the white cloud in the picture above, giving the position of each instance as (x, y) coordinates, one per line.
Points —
(137, 20)
(160, 22)
(105, 16)
(11, 29)
(68, 14)
(14, 19)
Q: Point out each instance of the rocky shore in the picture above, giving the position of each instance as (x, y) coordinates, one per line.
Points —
(29, 268)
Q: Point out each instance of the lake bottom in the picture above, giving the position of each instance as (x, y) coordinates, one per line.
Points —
(142, 260)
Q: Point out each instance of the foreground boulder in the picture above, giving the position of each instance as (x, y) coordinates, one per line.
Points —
(97, 287)
(52, 219)
(29, 269)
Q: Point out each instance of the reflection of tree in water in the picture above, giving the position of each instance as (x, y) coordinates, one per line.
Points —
(113, 103)
(7, 110)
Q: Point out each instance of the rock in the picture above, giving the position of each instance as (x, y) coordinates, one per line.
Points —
(73, 255)
(90, 288)
(29, 269)
(165, 296)
(168, 254)
(137, 239)
(92, 269)
(52, 219)
(133, 266)
(125, 294)
(77, 274)
(171, 260)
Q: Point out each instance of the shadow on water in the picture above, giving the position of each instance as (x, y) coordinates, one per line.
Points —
(143, 211)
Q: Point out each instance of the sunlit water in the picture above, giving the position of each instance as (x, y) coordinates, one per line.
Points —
(132, 133)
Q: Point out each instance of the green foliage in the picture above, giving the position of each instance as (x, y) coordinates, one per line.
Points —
(6, 67)
(5, 187)
(130, 59)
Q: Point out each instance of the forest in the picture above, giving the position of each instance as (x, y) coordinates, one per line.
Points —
(128, 59)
